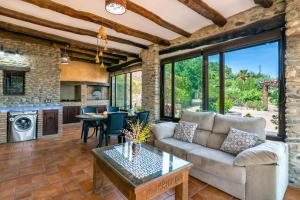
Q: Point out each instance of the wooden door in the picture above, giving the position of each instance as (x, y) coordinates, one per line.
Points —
(50, 122)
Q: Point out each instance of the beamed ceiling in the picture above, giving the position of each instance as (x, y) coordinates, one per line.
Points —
(145, 22)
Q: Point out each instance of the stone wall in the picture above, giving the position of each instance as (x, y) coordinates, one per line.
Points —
(42, 81)
(3, 127)
(293, 88)
(151, 81)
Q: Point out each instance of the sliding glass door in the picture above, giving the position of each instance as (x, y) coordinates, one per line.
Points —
(235, 81)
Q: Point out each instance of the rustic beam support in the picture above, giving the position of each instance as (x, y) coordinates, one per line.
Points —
(91, 53)
(60, 8)
(89, 57)
(248, 30)
(42, 22)
(86, 60)
(123, 65)
(56, 38)
(206, 11)
(155, 18)
(264, 3)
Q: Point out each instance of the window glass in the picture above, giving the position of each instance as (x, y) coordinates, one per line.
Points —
(188, 86)
(14, 83)
(137, 90)
(214, 83)
(168, 90)
(120, 91)
(128, 91)
(251, 83)
(113, 97)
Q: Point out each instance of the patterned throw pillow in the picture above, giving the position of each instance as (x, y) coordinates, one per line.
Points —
(185, 131)
(238, 141)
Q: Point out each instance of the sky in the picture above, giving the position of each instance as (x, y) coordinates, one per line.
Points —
(265, 55)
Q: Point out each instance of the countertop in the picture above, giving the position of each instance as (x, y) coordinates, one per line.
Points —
(10, 108)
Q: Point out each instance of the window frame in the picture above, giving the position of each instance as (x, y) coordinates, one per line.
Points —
(5, 89)
(127, 75)
(221, 49)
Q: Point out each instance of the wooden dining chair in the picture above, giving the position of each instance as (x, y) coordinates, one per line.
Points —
(115, 124)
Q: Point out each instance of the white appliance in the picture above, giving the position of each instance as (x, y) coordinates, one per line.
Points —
(22, 126)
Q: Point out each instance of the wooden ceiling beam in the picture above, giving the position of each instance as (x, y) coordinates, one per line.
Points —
(60, 8)
(155, 18)
(91, 53)
(91, 58)
(79, 59)
(264, 3)
(114, 68)
(73, 43)
(42, 22)
(253, 29)
(206, 11)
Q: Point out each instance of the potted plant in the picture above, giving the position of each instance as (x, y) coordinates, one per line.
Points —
(137, 133)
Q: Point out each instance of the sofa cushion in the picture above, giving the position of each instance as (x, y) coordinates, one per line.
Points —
(217, 163)
(163, 130)
(177, 147)
(205, 120)
(238, 141)
(269, 152)
(223, 123)
(185, 131)
(201, 136)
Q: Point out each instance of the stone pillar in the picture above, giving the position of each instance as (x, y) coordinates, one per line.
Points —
(151, 81)
(292, 61)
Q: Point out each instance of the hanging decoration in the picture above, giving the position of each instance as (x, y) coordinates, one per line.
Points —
(102, 43)
(65, 59)
(116, 7)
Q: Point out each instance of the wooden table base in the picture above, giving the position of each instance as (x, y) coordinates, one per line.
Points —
(177, 179)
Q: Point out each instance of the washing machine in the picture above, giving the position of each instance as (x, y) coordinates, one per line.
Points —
(22, 126)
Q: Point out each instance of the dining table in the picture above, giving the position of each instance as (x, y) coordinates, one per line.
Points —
(99, 118)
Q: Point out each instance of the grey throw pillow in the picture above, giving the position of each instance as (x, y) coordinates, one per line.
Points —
(238, 141)
(185, 131)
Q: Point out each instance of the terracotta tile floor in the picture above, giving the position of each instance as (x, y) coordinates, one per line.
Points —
(61, 168)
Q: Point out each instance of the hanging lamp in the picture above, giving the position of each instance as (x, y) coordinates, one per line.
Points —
(65, 58)
(116, 7)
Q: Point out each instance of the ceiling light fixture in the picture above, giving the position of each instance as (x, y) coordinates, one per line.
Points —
(116, 7)
(102, 43)
(65, 59)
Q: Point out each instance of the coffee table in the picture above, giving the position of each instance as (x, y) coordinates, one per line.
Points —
(144, 175)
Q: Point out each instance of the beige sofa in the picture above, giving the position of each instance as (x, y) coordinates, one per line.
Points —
(260, 174)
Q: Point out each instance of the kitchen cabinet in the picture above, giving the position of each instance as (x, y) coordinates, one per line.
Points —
(50, 122)
(69, 114)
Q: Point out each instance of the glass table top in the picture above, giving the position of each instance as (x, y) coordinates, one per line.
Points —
(149, 163)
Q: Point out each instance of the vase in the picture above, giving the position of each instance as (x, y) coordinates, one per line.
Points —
(136, 147)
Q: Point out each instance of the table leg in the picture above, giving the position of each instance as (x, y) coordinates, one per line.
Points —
(181, 191)
(85, 132)
(99, 178)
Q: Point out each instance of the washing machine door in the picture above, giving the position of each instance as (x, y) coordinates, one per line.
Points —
(23, 126)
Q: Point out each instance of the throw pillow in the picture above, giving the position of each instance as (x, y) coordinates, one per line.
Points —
(238, 141)
(185, 131)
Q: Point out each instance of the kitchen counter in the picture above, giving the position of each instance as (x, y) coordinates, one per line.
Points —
(13, 108)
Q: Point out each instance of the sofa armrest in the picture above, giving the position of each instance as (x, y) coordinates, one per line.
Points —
(267, 153)
(163, 130)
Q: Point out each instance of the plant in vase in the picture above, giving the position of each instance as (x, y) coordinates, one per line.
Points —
(137, 133)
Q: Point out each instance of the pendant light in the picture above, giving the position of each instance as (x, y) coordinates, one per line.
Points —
(116, 7)
(102, 37)
(65, 59)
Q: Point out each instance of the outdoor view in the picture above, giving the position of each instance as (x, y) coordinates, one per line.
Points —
(250, 86)
(121, 88)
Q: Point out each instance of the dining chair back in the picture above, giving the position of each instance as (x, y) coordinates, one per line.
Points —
(143, 117)
(89, 124)
(113, 109)
(115, 124)
(88, 109)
